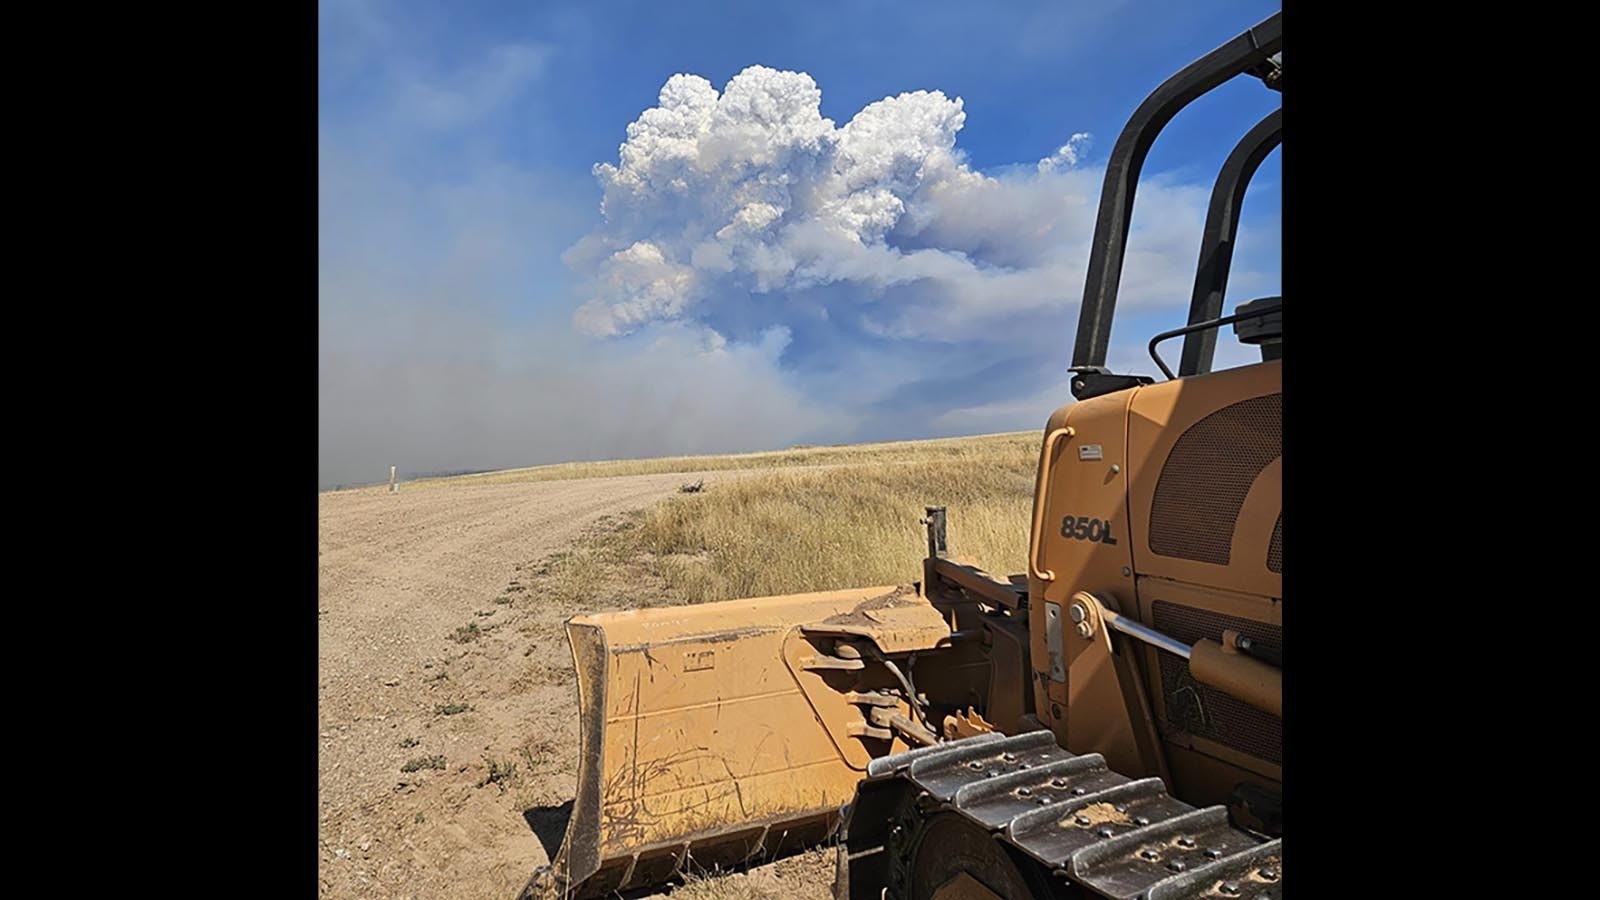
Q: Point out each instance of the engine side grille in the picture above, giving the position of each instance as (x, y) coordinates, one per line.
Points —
(1196, 709)
(1275, 549)
(1207, 475)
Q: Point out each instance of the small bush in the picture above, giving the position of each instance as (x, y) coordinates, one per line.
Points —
(501, 772)
(424, 762)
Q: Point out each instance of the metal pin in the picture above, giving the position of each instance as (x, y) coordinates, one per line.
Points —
(1269, 873)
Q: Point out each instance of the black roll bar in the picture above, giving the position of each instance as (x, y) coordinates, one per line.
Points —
(1216, 247)
(1246, 52)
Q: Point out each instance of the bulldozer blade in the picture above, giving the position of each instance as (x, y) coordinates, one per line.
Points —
(699, 746)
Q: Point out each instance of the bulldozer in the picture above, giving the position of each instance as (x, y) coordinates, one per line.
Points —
(1108, 723)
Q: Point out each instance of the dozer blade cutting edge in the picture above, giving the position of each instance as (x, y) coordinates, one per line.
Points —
(699, 743)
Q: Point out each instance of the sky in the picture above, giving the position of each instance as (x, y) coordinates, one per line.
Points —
(567, 231)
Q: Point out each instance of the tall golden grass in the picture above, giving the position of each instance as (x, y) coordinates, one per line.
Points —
(847, 526)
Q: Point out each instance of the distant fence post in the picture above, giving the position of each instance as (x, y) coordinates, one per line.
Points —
(393, 488)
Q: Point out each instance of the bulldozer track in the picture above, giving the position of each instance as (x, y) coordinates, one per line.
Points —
(1083, 823)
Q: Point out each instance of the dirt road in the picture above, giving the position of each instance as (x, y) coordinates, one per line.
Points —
(435, 656)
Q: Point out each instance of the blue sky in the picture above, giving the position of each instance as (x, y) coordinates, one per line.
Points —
(789, 280)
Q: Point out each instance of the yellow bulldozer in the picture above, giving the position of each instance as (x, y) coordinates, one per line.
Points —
(1106, 724)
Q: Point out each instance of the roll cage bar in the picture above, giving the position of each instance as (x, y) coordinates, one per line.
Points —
(1256, 52)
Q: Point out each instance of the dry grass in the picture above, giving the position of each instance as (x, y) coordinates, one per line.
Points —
(570, 580)
(424, 762)
(718, 887)
(952, 449)
(804, 876)
(846, 526)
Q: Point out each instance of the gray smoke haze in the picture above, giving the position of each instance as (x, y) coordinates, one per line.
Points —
(432, 360)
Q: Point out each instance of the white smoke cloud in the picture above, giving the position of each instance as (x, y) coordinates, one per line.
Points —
(718, 199)
(1066, 156)
(643, 285)
(753, 189)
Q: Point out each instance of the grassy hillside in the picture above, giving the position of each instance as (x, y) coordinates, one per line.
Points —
(950, 449)
(853, 523)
